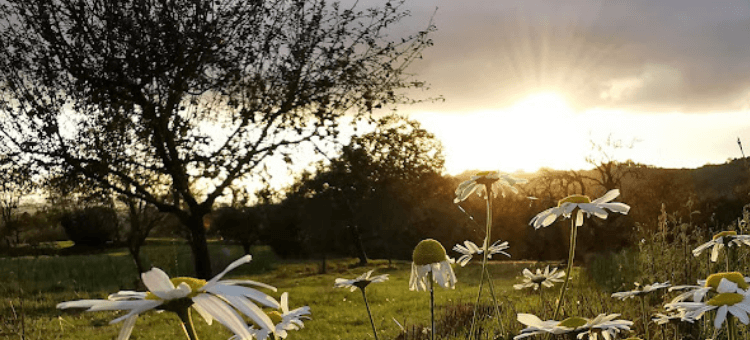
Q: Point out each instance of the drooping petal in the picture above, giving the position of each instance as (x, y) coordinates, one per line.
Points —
(127, 328)
(249, 283)
(721, 314)
(205, 315)
(621, 208)
(224, 314)
(579, 218)
(231, 266)
(610, 195)
(250, 309)
(593, 209)
(148, 305)
(157, 282)
(254, 294)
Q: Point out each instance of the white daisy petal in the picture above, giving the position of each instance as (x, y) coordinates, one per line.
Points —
(127, 328)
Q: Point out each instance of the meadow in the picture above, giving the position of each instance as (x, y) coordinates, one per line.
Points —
(31, 287)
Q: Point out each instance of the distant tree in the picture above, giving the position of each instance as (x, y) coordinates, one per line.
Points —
(92, 226)
(127, 91)
(609, 171)
(15, 184)
(238, 224)
(379, 175)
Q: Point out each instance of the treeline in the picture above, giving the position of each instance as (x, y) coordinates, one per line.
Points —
(384, 192)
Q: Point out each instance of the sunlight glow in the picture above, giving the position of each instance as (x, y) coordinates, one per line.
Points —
(531, 134)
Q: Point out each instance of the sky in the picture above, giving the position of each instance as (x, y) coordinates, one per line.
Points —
(529, 84)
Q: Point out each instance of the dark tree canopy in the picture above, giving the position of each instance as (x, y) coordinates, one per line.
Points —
(129, 93)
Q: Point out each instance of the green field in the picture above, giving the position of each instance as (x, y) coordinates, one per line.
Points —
(31, 287)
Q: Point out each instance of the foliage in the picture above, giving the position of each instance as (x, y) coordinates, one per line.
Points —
(92, 226)
(383, 193)
(182, 91)
(240, 225)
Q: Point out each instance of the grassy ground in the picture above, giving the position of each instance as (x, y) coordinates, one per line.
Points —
(30, 287)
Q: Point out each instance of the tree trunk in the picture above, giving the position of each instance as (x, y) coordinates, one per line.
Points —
(246, 247)
(135, 253)
(199, 246)
(354, 230)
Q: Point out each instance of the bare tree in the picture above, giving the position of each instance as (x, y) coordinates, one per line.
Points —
(190, 91)
(610, 172)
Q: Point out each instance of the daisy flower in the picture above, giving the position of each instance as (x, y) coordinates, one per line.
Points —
(539, 279)
(711, 284)
(360, 282)
(663, 319)
(213, 300)
(728, 300)
(725, 238)
(430, 259)
(604, 325)
(583, 204)
(640, 290)
(493, 179)
(287, 320)
(470, 249)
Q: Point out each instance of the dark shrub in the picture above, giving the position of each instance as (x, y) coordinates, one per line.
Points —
(93, 226)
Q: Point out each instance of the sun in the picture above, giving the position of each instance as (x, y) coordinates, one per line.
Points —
(540, 130)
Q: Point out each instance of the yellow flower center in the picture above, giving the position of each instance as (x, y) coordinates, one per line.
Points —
(428, 251)
(713, 280)
(275, 317)
(726, 299)
(193, 283)
(725, 233)
(483, 173)
(573, 322)
(574, 199)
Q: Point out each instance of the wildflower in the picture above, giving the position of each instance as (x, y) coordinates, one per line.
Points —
(729, 298)
(213, 300)
(285, 321)
(663, 319)
(360, 282)
(640, 290)
(470, 248)
(583, 204)
(736, 283)
(490, 178)
(603, 324)
(430, 258)
(539, 279)
(724, 238)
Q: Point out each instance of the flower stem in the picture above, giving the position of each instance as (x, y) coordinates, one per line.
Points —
(432, 306)
(494, 300)
(485, 253)
(187, 323)
(374, 332)
(643, 316)
(731, 331)
(571, 255)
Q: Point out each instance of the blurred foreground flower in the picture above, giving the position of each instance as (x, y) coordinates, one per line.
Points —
(493, 179)
(539, 279)
(711, 284)
(213, 300)
(719, 241)
(469, 249)
(604, 325)
(640, 290)
(362, 282)
(583, 204)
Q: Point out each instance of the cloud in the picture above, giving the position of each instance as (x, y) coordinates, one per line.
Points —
(667, 55)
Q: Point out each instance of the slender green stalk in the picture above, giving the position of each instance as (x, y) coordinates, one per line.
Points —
(731, 329)
(485, 253)
(432, 306)
(644, 316)
(374, 332)
(541, 301)
(494, 301)
(571, 256)
(187, 323)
